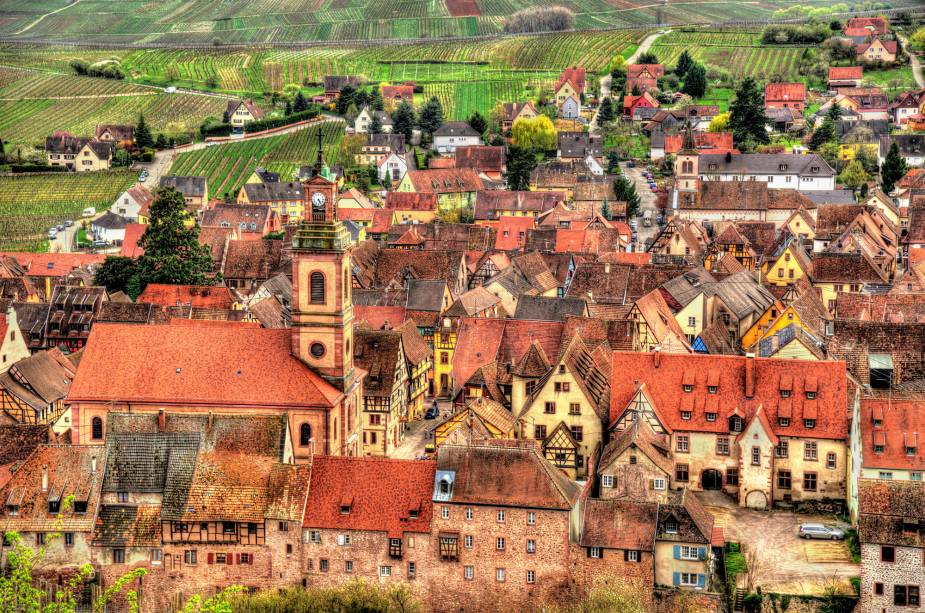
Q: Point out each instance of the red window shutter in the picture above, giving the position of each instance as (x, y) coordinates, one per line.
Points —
(211, 558)
(229, 559)
(239, 558)
(250, 558)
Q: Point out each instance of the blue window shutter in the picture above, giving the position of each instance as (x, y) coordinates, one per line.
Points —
(677, 552)
(703, 553)
(676, 579)
(701, 580)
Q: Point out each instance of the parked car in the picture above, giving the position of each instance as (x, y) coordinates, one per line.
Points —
(821, 531)
(89, 211)
(68, 223)
(60, 227)
(433, 412)
(53, 233)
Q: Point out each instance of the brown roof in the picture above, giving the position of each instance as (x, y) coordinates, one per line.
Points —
(619, 524)
(641, 436)
(445, 181)
(410, 201)
(848, 268)
(483, 158)
(695, 523)
(252, 259)
(377, 352)
(416, 350)
(885, 506)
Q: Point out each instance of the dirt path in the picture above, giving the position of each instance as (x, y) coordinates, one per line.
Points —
(41, 17)
(83, 97)
(916, 64)
(644, 46)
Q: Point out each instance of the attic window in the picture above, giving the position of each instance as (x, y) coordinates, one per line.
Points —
(54, 506)
(782, 167)
(810, 395)
(80, 506)
(785, 393)
(910, 450)
(413, 514)
(345, 509)
(711, 389)
(688, 388)
(809, 424)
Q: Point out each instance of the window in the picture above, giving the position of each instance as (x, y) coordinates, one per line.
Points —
(686, 415)
(118, 556)
(906, 595)
(910, 450)
(247, 558)
(469, 513)
(467, 541)
(96, 428)
(688, 388)
(631, 555)
(189, 557)
(692, 321)
(607, 481)
(810, 451)
(445, 512)
(878, 448)
(711, 389)
(444, 357)
(499, 544)
(683, 443)
(681, 473)
(220, 558)
(500, 516)
(228, 527)
(783, 479)
(531, 576)
(562, 387)
(499, 575)
(385, 571)
(915, 476)
(887, 553)
(315, 537)
(68, 539)
(39, 538)
(316, 283)
(539, 432)
(574, 408)
(732, 476)
(550, 408)
(305, 435)
(659, 484)
(785, 393)
(809, 424)
(711, 416)
(412, 570)
(735, 423)
(594, 552)
(830, 461)
(122, 497)
(783, 421)
(531, 546)
(531, 518)
(886, 475)
(468, 572)
(671, 526)
(343, 539)
(722, 445)
(689, 553)
(157, 557)
(878, 589)
(688, 579)
(756, 456)
(809, 482)
(348, 566)
(577, 433)
(782, 449)
(810, 395)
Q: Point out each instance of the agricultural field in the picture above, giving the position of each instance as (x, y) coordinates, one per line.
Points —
(227, 167)
(31, 204)
(261, 21)
(33, 104)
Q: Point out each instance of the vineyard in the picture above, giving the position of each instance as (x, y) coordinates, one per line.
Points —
(227, 167)
(31, 204)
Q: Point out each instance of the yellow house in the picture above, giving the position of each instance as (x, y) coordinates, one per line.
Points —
(481, 419)
(420, 365)
(792, 343)
(568, 408)
(787, 267)
(636, 464)
(78, 154)
(385, 403)
(878, 51)
(806, 311)
(680, 237)
(242, 112)
(444, 345)
(801, 224)
(455, 188)
(287, 200)
(565, 91)
(656, 325)
(884, 204)
(756, 332)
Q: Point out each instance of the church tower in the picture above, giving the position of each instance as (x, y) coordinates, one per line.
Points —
(322, 307)
(686, 165)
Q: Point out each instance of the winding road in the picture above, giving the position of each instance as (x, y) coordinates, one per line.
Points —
(914, 61)
(43, 16)
(644, 46)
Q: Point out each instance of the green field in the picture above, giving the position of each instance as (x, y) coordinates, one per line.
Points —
(259, 21)
(30, 205)
(227, 167)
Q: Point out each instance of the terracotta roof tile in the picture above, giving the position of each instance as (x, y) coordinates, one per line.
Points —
(619, 524)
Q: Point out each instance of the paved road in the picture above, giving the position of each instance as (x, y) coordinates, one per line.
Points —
(916, 64)
(646, 203)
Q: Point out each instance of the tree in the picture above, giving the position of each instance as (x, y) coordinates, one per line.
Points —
(746, 115)
(826, 132)
(537, 133)
(346, 98)
(605, 210)
(605, 114)
(143, 138)
(431, 117)
(299, 104)
(893, 169)
(172, 253)
(918, 38)
(2, 151)
(625, 191)
(685, 61)
(403, 120)
(647, 58)
(375, 126)
(867, 159)
(695, 83)
(853, 176)
(520, 163)
(719, 123)
(834, 113)
(478, 123)
(288, 110)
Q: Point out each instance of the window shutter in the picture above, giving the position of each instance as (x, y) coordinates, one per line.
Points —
(229, 559)
(250, 559)
(651, 484)
(239, 558)
(602, 553)
(677, 553)
(626, 555)
(210, 559)
(588, 552)
(701, 580)
(703, 553)
(676, 578)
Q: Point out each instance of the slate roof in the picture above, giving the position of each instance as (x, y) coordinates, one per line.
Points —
(885, 506)
(63, 143)
(262, 192)
(579, 145)
(190, 187)
(455, 128)
(128, 526)
(767, 164)
(542, 308)
(619, 524)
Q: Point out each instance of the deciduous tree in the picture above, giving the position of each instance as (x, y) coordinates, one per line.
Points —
(536, 133)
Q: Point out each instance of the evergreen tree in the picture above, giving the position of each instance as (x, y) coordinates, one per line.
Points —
(375, 126)
(647, 58)
(605, 210)
(288, 110)
(346, 98)
(431, 116)
(625, 191)
(115, 273)
(300, 103)
(520, 163)
(893, 169)
(478, 123)
(684, 63)
(695, 83)
(403, 120)
(746, 115)
(605, 114)
(822, 135)
(835, 112)
(375, 99)
(613, 162)
(143, 138)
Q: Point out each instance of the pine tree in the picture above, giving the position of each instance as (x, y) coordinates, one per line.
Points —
(605, 210)
(431, 117)
(893, 169)
(520, 163)
(825, 133)
(375, 126)
(647, 58)
(746, 115)
(695, 83)
(143, 138)
(625, 191)
(288, 110)
(478, 123)
(403, 120)
(605, 114)
(300, 104)
(684, 63)
(346, 98)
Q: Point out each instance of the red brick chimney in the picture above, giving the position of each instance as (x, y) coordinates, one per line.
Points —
(749, 375)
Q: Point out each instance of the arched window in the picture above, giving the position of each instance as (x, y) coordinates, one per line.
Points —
(96, 428)
(317, 288)
(305, 435)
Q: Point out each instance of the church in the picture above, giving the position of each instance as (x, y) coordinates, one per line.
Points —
(305, 372)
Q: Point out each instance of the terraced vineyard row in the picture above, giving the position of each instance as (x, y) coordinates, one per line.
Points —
(30, 205)
(227, 167)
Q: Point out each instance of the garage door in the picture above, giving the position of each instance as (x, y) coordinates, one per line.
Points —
(756, 500)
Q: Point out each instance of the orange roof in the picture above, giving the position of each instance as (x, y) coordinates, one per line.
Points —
(708, 142)
(784, 92)
(54, 264)
(634, 258)
(219, 363)
(510, 229)
(410, 201)
(133, 232)
(900, 422)
(664, 376)
(382, 221)
(840, 73)
(404, 92)
(378, 316)
(439, 162)
(482, 340)
(575, 75)
(378, 494)
(206, 296)
(355, 214)
(445, 181)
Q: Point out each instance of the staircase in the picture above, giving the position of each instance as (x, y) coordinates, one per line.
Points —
(738, 601)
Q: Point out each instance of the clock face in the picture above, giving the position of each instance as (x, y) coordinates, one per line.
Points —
(318, 200)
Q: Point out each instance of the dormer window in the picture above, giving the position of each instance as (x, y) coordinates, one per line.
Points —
(444, 486)
(711, 389)
(785, 393)
(345, 509)
(735, 423)
(783, 421)
(686, 415)
(810, 395)
(671, 527)
(878, 422)
(878, 448)
(54, 506)
(688, 389)
(711, 416)
(80, 506)
(413, 514)
(910, 450)
(809, 424)
(12, 510)
(782, 167)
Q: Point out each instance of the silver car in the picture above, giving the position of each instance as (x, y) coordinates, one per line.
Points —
(821, 531)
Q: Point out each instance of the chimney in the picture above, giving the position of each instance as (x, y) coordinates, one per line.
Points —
(93, 465)
(749, 375)
(658, 355)
(44, 478)
(161, 420)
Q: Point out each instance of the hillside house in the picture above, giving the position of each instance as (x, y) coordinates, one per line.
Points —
(79, 154)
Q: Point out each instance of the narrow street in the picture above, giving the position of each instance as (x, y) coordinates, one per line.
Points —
(646, 203)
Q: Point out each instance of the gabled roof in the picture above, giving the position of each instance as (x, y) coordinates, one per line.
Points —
(455, 129)
(784, 92)
(844, 73)
(39, 380)
(480, 341)
(190, 187)
(482, 158)
(377, 352)
(534, 362)
(848, 268)
(542, 308)
(234, 105)
(619, 524)
(639, 435)
(890, 429)
(445, 181)
(886, 507)
(695, 523)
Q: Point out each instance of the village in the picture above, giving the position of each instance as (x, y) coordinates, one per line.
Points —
(626, 333)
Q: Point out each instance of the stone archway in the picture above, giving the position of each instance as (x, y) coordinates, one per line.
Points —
(756, 499)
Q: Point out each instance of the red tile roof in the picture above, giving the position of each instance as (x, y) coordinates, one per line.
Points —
(355, 214)
(845, 73)
(509, 230)
(382, 221)
(574, 74)
(664, 375)
(901, 425)
(216, 297)
(396, 92)
(877, 23)
(448, 181)
(440, 162)
(54, 264)
(381, 495)
(483, 158)
(410, 201)
(481, 341)
(619, 524)
(889, 45)
(133, 232)
(784, 92)
(708, 142)
(225, 364)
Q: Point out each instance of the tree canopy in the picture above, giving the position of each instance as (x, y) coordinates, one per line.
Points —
(746, 115)
(537, 133)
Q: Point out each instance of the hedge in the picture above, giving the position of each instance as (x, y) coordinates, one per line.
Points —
(15, 168)
(275, 122)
